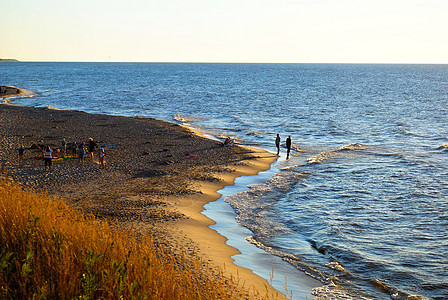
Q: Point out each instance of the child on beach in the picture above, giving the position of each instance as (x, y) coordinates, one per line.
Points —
(101, 154)
(64, 147)
(81, 153)
(74, 149)
(47, 158)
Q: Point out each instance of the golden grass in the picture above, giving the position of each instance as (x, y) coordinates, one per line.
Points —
(49, 250)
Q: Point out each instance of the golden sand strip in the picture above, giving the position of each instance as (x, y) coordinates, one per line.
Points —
(210, 243)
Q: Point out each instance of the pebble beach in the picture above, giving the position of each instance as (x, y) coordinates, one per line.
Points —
(157, 176)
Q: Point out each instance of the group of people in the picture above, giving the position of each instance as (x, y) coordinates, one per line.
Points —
(78, 151)
(228, 142)
(82, 149)
(287, 144)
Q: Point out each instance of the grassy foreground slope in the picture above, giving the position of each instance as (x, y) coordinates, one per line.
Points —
(49, 250)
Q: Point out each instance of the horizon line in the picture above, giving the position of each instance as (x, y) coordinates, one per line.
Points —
(230, 62)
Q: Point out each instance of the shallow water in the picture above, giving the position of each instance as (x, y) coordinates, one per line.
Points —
(362, 201)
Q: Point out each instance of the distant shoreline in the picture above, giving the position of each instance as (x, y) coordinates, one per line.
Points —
(8, 60)
(232, 62)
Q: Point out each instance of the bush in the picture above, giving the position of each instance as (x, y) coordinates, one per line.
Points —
(50, 250)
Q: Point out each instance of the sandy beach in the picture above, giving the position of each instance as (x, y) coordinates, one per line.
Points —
(157, 179)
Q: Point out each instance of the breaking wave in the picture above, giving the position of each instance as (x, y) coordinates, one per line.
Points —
(443, 147)
(188, 119)
(350, 150)
(251, 208)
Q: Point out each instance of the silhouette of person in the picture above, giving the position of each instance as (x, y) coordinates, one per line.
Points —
(277, 143)
(288, 146)
(92, 146)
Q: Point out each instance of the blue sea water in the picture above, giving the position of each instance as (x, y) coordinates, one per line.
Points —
(362, 201)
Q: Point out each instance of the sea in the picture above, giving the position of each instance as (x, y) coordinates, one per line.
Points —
(361, 204)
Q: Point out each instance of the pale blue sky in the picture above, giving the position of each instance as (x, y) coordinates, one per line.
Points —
(300, 31)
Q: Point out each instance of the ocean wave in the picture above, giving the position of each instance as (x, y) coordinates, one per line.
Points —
(53, 108)
(258, 133)
(187, 119)
(28, 93)
(297, 147)
(329, 290)
(291, 259)
(336, 266)
(350, 150)
(239, 120)
(319, 158)
(253, 205)
(399, 155)
(393, 293)
(354, 147)
(333, 291)
(443, 147)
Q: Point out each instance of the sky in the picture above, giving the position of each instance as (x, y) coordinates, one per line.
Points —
(259, 31)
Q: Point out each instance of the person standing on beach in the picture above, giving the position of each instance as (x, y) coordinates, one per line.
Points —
(101, 155)
(277, 143)
(288, 146)
(92, 146)
(64, 147)
(21, 151)
(47, 158)
(81, 153)
(74, 148)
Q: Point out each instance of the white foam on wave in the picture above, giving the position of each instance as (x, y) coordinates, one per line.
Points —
(355, 147)
(297, 147)
(253, 255)
(189, 119)
(53, 108)
(251, 207)
(333, 291)
(28, 93)
(291, 259)
(350, 150)
(443, 147)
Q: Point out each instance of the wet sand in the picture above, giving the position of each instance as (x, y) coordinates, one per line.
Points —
(157, 179)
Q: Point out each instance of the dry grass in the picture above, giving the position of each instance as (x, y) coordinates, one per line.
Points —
(49, 250)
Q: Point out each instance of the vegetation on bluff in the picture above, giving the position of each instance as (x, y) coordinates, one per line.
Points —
(50, 250)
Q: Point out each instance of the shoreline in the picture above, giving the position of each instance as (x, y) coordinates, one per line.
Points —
(198, 228)
(160, 211)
